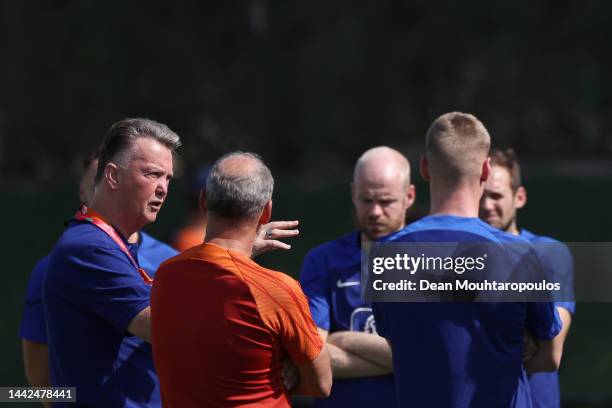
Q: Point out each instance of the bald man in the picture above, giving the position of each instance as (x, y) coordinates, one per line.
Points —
(361, 360)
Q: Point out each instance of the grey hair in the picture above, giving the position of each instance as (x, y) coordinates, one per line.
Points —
(122, 135)
(238, 194)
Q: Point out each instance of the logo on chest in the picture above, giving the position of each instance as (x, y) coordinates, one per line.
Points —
(362, 320)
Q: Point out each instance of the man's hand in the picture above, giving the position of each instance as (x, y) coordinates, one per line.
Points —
(268, 236)
(289, 374)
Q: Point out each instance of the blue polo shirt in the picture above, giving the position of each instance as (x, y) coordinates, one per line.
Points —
(33, 323)
(151, 253)
(545, 391)
(33, 327)
(330, 278)
(91, 294)
(461, 354)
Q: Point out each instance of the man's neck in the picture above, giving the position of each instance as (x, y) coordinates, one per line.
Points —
(230, 234)
(513, 229)
(134, 238)
(364, 238)
(110, 211)
(461, 201)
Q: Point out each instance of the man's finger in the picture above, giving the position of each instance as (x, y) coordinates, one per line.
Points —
(281, 224)
(280, 233)
(273, 244)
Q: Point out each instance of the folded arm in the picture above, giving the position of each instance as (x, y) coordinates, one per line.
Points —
(314, 377)
(548, 353)
(356, 354)
(141, 325)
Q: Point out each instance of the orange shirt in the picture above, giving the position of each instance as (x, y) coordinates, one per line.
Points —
(221, 326)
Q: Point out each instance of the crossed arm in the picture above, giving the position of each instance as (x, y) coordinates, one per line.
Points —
(357, 354)
(541, 355)
(311, 378)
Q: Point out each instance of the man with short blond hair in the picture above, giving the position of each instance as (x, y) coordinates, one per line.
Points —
(361, 360)
(237, 321)
(463, 354)
(456, 146)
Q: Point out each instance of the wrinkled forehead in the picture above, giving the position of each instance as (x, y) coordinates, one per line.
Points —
(146, 149)
(379, 187)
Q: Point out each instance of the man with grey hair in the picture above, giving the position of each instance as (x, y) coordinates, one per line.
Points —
(238, 321)
(98, 284)
(96, 295)
(361, 360)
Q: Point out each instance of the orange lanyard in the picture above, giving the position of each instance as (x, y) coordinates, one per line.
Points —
(85, 214)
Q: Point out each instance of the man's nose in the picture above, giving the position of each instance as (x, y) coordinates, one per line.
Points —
(162, 188)
(375, 211)
(487, 204)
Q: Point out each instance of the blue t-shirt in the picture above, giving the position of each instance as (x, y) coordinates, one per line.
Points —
(461, 354)
(545, 391)
(33, 327)
(151, 253)
(91, 293)
(33, 324)
(330, 278)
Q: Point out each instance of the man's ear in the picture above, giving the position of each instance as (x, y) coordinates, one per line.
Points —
(266, 214)
(520, 197)
(202, 201)
(486, 170)
(410, 196)
(353, 193)
(424, 168)
(111, 175)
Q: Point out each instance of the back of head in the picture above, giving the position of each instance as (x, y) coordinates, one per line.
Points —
(457, 144)
(239, 185)
(122, 135)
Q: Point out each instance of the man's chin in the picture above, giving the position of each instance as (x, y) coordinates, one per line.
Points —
(374, 235)
(495, 222)
(150, 216)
